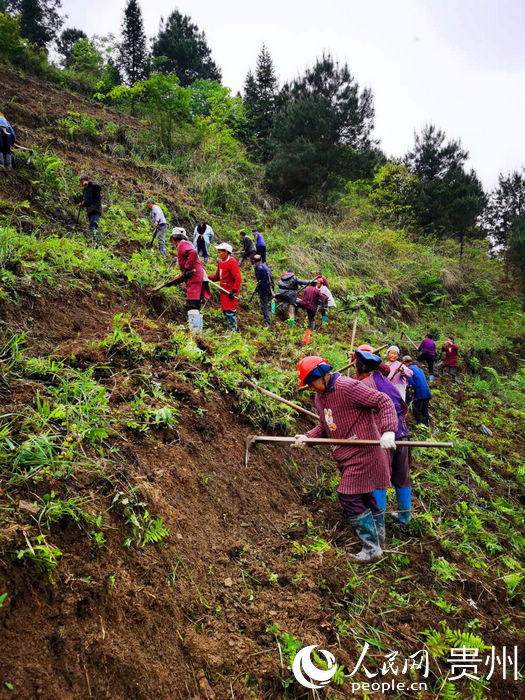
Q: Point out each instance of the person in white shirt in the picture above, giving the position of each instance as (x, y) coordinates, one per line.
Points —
(161, 228)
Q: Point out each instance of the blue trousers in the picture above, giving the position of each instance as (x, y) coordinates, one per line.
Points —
(93, 221)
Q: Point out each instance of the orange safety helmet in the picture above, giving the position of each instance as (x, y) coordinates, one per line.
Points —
(308, 364)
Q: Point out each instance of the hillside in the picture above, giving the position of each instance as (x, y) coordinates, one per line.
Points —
(139, 557)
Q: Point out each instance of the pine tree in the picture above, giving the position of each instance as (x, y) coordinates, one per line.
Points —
(321, 134)
(448, 200)
(40, 22)
(134, 56)
(180, 48)
(506, 203)
(65, 44)
(260, 99)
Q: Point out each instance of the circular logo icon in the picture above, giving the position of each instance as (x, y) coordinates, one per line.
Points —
(303, 666)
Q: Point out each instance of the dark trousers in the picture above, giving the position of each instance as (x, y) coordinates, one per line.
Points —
(93, 221)
(311, 315)
(355, 504)
(429, 359)
(420, 408)
(401, 467)
(265, 299)
(451, 371)
(261, 250)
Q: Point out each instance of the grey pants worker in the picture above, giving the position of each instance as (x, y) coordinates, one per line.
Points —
(6, 159)
(265, 299)
(161, 237)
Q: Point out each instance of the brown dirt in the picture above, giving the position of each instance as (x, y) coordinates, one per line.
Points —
(188, 618)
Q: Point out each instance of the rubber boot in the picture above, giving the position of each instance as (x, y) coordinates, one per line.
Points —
(379, 522)
(379, 517)
(404, 502)
(291, 322)
(365, 529)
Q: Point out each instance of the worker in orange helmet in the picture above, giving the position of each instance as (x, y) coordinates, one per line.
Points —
(347, 410)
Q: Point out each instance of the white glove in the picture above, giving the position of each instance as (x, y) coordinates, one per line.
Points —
(388, 441)
(299, 441)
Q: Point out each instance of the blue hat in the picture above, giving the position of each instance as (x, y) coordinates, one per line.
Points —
(318, 372)
(368, 356)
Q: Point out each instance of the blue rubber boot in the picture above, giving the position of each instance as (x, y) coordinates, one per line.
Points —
(380, 496)
(365, 529)
(404, 503)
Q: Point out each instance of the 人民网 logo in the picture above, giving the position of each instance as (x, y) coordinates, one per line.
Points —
(303, 666)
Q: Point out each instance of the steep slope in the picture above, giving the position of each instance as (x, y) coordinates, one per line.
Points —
(139, 556)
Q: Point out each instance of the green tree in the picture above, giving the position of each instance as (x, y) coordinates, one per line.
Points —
(261, 98)
(180, 48)
(65, 44)
(39, 19)
(394, 190)
(9, 37)
(448, 201)
(321, 134)
(208, 98)
(506, 203)
(86, 58)
(516, 245)
(134, 56)
(159, 98)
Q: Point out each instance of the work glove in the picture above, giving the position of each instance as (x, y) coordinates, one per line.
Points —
(388, 441)
(231, 295)
(299, 441)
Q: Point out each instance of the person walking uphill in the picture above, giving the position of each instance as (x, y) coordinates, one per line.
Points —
(92, 201)
(260, 244)
(7, 139)
(450, 363)
(264, 287)
(203, 237)
(312, 300)
(399, 374)
(248, 250)
(229, 277)
(288, 287)
(422, 393)
(347, 409)
(192, 272)
(161, 227)
(427, 353)
(367, 371)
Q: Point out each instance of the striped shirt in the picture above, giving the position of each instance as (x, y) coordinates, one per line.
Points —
(348, 410)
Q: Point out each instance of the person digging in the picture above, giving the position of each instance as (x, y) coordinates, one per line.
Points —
(347, 410)
(229, 277)
(191, 272)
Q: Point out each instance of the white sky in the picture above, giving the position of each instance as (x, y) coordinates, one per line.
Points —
(459, 64)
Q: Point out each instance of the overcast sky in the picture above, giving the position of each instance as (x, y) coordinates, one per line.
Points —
(459, 64)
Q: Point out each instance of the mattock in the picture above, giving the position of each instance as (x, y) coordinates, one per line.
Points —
(284, 440)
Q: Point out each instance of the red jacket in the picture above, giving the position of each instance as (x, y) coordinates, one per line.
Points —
(313, 298)
(188, 259)
(451, 354)
(229, 277)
